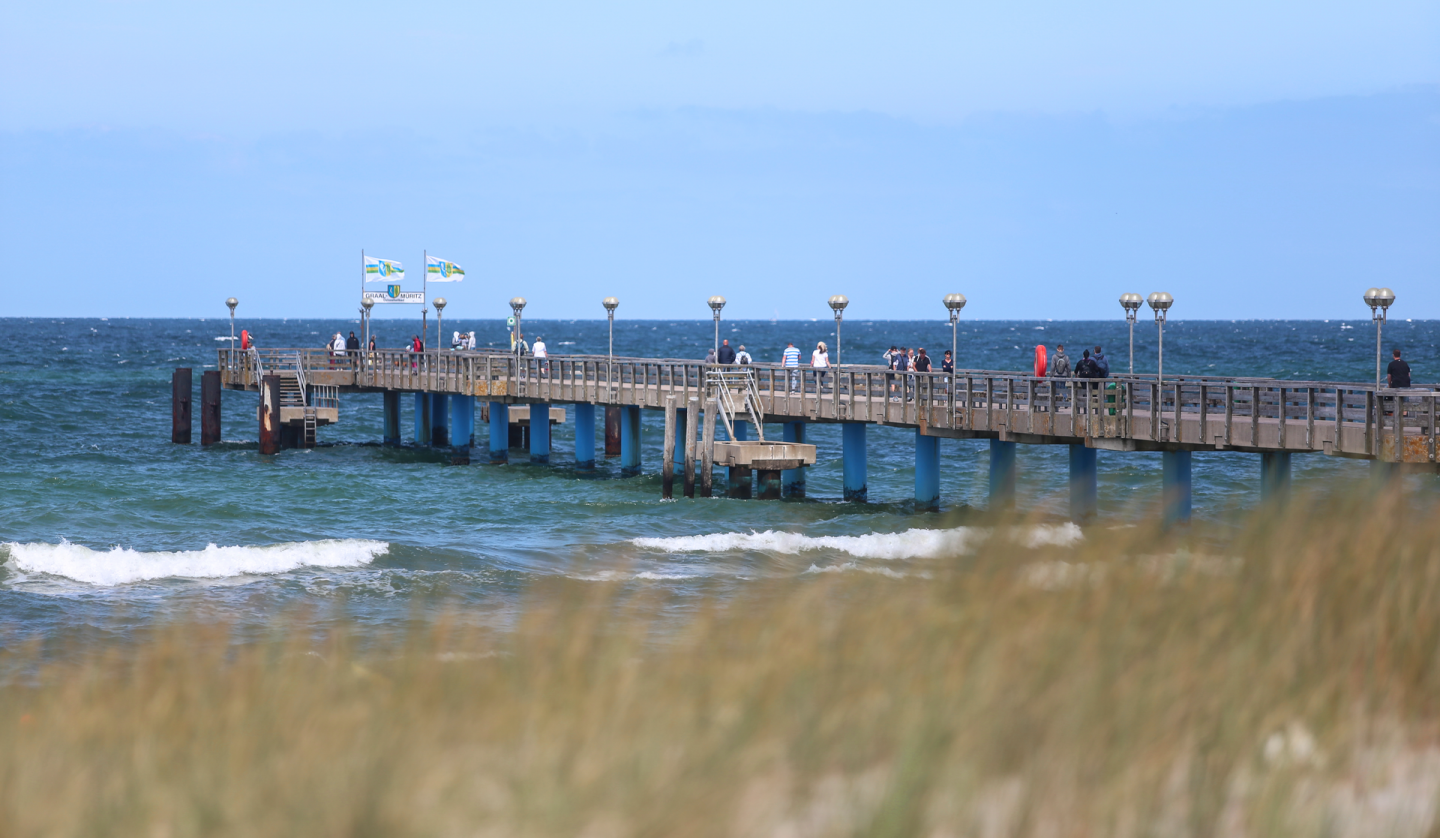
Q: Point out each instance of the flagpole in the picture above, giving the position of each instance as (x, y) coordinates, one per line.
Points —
(425, 297)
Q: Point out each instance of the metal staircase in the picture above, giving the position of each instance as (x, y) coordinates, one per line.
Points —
(734, 391)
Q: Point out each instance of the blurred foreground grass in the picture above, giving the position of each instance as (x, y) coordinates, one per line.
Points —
(1280, 679)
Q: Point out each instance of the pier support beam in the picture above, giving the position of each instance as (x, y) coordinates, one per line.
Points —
(585, 437)
(422, 418)
(769, 484)
(927, 471)
(210, 391)
(854, 459)
(440, 420)
(499, 433)
(180, 421)
(540, 433)
(392, 417)
(269, 414)
(740, 482)
(1176, 493)
(612, 430)
(629, 441)
(792, 480)
(1002, 475)
(707, 450)
(462, 429)
(667, 452)
(1274, 475)
(692, 425)
(1084, 484)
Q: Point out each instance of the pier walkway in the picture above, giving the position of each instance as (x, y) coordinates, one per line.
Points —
(1183, 414)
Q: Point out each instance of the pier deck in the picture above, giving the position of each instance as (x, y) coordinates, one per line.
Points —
(1122, 412)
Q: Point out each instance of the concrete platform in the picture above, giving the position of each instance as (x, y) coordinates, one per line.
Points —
(764, 456)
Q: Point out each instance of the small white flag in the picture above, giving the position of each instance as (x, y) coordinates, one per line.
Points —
(439, 270)
(383, 270)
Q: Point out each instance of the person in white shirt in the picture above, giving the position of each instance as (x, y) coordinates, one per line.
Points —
(820, 360)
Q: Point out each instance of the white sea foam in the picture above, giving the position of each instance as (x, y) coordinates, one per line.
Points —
(121, 565)
(911, 544)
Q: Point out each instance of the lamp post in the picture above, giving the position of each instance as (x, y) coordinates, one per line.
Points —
(1160, 302)
(717, 302)
(837, 304)
(1379, 300)
(439, 321)
(954, 302)
(365, 305)
(1131, 302)
(517, 305)
(610, 304)
(232, 302)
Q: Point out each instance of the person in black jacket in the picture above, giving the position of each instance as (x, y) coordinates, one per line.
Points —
(726, 355)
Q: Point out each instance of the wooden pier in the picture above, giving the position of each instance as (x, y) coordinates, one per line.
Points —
(1177, 416)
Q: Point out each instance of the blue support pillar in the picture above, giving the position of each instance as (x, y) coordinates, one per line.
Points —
(540, 433)
(392, 417)
(1084, 484)
(440, 420)
(1176, 493)
(853, 441)
(927, 471)
(792, 480)
(462, 428)
(1274, 475)
(1002, 474)
(585, 437)
(629, 441)
(422, 418)
(499, 433)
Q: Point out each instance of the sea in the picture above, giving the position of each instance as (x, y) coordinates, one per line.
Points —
(107, 528)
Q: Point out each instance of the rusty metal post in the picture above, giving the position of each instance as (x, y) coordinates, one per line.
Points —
(612, 430)
(210, 391)
(270, 414)
(180, 421)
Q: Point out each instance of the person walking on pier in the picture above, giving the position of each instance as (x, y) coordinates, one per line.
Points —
(743, 358)
(820, 361)
(726, 355)
(1059, 362)
(1102, 362)
(790, 360)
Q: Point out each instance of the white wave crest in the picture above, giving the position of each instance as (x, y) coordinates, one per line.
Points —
(911, 544)
(121, 565)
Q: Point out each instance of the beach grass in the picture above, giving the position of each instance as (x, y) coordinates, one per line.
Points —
(1280, 676)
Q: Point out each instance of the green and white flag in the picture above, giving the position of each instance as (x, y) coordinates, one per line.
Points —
(439, 270)
(383, 270)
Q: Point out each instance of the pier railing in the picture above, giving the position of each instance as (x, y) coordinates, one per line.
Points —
(1123, 411)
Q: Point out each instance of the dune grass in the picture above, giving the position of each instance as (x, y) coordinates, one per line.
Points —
(1279, 679)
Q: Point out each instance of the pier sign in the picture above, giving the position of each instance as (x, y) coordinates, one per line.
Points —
(393, 294)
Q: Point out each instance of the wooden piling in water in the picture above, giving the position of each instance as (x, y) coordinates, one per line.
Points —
(692, 427)
(210, 391)
(612, 430)
(707, 451)
(667, 458)
(270, 414)
(180, 421)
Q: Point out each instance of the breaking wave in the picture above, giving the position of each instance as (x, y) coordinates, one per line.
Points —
(121, 565)
(910, 544)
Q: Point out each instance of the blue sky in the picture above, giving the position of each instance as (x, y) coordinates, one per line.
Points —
(1039, 157)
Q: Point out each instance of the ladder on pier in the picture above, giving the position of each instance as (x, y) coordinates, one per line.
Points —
(735, 393)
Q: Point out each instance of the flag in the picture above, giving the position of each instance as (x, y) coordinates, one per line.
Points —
(383, 270)
(439, 270)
